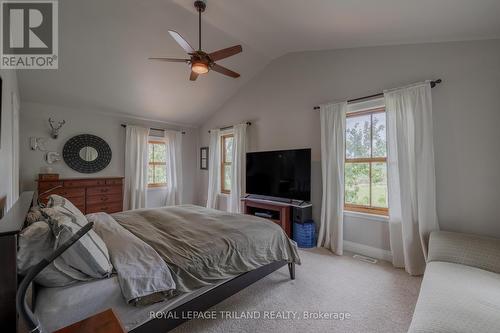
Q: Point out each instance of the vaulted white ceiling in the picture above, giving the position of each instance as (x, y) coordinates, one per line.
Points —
(104, 46)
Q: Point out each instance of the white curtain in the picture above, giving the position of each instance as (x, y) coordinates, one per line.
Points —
(136, 167)
(332, 169)
(238, 167)
(411, 176)
(213, 168)
(174, 167)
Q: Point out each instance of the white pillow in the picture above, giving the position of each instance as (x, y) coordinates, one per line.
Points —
(35, 243)
(89, 254)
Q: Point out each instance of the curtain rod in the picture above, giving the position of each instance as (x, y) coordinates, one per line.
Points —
(433, 84)
(155, 129)
(229, 127)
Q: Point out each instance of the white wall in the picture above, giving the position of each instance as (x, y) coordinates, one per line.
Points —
(10, 87)
(34, 122)
(279, 103)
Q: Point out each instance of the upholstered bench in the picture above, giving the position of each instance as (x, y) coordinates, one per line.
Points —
(460, 291)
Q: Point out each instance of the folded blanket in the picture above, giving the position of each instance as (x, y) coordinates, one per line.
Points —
(203, 246)
(143, 275)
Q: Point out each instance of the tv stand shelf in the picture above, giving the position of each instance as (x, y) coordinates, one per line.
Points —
(278, 212)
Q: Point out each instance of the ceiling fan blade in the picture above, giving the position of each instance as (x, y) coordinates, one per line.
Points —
(171, 59)
(225, 71)
(181, 41)
(225, 53)
(193, 76)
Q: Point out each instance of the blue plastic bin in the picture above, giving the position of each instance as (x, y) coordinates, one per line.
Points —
(305, 234)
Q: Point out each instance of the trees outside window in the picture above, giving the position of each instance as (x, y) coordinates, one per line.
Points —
(366, 162)
(226, 162)
(157, 168)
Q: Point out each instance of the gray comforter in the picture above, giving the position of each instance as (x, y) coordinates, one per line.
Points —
(143, 275)
(203, 246)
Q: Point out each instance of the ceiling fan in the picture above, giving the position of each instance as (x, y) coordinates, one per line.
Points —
(200, 61)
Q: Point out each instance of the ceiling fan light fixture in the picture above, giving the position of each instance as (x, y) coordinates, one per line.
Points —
(199, 67)
(200, 61)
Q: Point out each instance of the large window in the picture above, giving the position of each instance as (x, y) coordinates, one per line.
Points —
(226, 161)
(366, 162)
(157, 170)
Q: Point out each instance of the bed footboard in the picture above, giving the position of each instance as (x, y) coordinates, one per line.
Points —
(209, 299)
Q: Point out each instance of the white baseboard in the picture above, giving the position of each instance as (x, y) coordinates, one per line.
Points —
(368, 251)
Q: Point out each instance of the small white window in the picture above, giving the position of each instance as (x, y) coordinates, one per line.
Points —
(157, 168)
(226, 162)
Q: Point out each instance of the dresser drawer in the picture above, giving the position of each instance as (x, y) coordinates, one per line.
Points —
(104, 190)
(105, 207)
(44, 186)
(104, 198)
(84, 183)
(77, 201)
(114, 181)
(66, 192)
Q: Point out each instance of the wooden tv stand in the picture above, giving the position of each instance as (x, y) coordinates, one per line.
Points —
(279, 211)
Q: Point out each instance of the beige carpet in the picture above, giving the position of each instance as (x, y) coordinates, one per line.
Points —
(378, 297)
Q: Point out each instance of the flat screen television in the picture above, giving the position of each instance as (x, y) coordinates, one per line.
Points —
(280, 174)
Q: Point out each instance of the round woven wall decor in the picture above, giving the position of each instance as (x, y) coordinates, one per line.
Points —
(72, 153)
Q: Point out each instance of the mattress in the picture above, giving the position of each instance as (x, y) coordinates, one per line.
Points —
(59, 307)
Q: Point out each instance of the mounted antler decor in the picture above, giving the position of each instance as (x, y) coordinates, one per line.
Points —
(54, 133)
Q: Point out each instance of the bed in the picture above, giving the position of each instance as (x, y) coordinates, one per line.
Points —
(88, 298)
(61, 306)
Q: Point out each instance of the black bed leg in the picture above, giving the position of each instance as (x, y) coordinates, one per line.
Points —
(291, 269)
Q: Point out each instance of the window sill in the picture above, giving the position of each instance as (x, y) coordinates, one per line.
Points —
(367, 216)
(158, 188)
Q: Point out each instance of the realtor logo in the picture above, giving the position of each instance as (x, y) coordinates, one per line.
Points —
(29, 33)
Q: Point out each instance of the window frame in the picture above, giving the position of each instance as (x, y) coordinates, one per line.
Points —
(154, 164)
(367, 209)
(224, 162)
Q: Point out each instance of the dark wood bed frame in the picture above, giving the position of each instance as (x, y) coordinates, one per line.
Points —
(12, 224)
